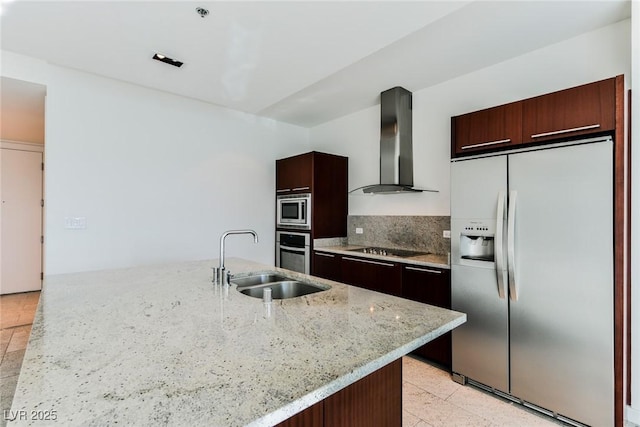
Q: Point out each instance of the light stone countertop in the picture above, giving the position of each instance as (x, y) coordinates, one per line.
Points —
(428, 260)
(161, 345)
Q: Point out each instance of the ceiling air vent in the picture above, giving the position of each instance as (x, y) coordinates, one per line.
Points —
(160, 57)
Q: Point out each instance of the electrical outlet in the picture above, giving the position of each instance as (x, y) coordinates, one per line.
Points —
(359, 230)
(446, 234)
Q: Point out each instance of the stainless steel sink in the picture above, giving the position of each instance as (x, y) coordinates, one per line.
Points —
(258, 279)
(282, 287)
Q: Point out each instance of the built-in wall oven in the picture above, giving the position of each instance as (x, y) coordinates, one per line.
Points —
(294, 211)
(293, 251)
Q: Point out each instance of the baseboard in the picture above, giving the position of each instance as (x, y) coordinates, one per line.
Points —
(632, 416)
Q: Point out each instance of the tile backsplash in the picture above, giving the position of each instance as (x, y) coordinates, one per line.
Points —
(421, 233)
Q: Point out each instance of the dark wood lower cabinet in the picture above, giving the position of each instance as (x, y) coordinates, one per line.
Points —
(380, 276)
(430, 286)
(326, 265)
(373, 401)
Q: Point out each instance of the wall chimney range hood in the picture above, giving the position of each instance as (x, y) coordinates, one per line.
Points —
(396, 147)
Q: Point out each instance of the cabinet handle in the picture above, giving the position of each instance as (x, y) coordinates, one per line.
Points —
(426, 270)
(484, 144)
(292, 249)
(325, 254)
(368, 262)
(284, 190)
(556, 132)
(300, 188)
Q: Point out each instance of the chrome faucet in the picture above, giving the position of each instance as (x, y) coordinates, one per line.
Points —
(220, 274)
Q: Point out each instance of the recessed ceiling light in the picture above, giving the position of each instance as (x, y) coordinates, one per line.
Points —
(162, 58)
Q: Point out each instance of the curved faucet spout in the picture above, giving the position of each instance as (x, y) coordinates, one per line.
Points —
(225, 234)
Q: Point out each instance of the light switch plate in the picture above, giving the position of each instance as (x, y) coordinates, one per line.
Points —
(75, 222)
(446, 234)
(359, 230)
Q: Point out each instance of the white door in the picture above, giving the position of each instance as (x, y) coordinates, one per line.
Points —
(21, 221)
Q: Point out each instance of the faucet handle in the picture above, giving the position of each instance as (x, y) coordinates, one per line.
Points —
(226, 276)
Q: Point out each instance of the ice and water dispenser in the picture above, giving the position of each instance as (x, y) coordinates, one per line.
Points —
(476, 241)
(476, 247)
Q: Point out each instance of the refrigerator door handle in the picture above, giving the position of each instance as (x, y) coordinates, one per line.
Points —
(511, 258)
(499, 241)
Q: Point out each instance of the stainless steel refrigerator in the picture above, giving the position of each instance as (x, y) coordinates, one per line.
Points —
(532, 266)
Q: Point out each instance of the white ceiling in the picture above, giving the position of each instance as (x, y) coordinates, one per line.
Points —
(299, 62)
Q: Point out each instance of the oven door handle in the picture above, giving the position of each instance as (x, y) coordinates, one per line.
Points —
(289, 248)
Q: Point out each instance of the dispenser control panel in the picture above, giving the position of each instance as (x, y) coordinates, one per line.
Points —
(476, 228)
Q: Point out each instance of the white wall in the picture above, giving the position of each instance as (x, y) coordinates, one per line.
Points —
(158, 177)
(592, 56)
(21, 111)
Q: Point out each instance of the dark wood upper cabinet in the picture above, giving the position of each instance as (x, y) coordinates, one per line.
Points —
(294, 174)
(325, 176)
(582, 110)
(487, 130)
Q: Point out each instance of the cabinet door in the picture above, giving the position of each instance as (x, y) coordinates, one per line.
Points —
(326, 265)
(581, 110)
(294, 174)
(330, 203)
(380, 276)
(486, 130)
(430, 286)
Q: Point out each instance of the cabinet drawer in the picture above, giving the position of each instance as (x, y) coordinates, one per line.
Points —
(427, 285)
(380, 276)
(579, 111)
(487, 130)
(326, 265)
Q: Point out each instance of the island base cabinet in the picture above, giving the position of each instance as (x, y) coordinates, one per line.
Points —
(313, 416)
(373, 401)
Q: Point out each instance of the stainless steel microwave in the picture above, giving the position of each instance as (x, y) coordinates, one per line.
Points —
(294, 211)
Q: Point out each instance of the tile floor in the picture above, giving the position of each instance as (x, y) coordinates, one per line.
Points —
(16, 316)
(430, 397)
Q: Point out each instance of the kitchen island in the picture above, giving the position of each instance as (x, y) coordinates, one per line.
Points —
(161, 345)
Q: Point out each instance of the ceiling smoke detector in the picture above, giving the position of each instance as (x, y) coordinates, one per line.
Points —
(202, 11)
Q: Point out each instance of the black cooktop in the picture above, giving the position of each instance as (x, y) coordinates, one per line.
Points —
(402, 253)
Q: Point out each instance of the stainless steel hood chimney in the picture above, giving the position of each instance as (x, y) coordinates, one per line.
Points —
(396, 147)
